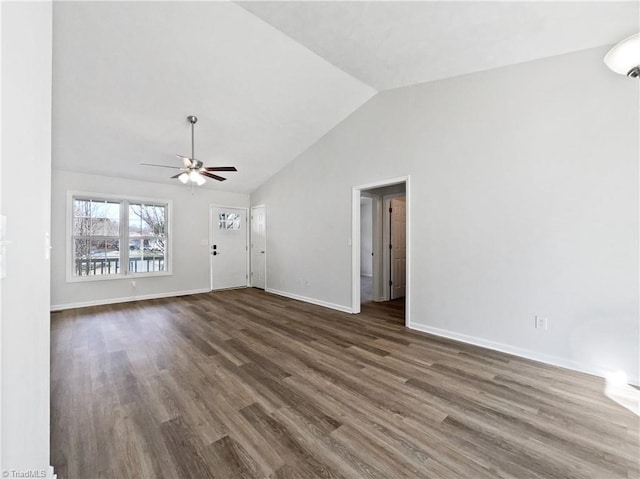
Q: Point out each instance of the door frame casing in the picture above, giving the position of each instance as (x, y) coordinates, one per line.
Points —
(211, 223)
(251, 244)
(355, 241)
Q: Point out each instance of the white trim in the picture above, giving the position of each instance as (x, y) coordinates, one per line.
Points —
(318, 302)
(51, 474)
(247, 227)
(516, 351)
(355, 250)
(381, 183)
(355, 241)
(116, 277)
(126, 299)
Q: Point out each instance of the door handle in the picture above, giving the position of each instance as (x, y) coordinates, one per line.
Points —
(214, 253)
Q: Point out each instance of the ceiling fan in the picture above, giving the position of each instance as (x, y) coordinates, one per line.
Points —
(194, 170)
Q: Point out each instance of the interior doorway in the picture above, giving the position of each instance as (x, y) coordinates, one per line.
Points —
(381, 245)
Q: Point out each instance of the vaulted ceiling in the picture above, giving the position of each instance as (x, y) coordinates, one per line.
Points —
(268, 79)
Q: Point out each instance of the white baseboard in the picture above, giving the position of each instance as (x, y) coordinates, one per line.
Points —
(367, 275)
(100, 302)
(318, 302)
(51, 475)
(516, 351)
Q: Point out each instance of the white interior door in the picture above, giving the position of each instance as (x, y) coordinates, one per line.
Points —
(258, 246)
(398, 247)
(228, 247)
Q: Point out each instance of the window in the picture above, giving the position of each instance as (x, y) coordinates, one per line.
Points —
(113, 238)
(229, 221)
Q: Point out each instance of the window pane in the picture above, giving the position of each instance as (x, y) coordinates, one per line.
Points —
(159, 220)
(112, 210)
(151, 218)
(104, 257)
(98, 209)
(147, 227)
(81, 226)
(97, 227)
(228, 221)
(135, 222)
(81, 208)
(135, 255)
(97, 249)
(112, 227)
(155, 263)
(80, 257)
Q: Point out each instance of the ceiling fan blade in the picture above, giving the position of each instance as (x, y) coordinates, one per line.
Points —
(162, 166)
(176, 176)
(221, 168)
(209, 175)
(187, 162)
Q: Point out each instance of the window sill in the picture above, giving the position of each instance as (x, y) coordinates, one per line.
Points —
(115, 277)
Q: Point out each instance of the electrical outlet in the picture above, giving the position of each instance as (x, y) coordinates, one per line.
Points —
(541, 323)
(133, 284)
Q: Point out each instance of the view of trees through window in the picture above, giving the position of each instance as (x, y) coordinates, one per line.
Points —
(99, 235)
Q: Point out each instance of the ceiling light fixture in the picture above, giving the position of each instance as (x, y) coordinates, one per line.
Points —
(194, 171)
(624, 58)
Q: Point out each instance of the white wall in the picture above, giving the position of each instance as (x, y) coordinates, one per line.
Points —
(366, 236)
(190, 228)
(524, 200)
(26, 146)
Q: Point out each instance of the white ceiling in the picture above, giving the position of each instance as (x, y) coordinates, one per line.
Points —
(127, 74)
(268, 79)
(395, 44)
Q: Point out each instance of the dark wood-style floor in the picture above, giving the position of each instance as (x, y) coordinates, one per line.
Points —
(246, 384)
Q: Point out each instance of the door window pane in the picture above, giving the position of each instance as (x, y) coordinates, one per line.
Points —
(228, 221)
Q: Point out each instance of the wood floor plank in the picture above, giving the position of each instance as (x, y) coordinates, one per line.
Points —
(227, 458)
(243, 383)
(182, 450)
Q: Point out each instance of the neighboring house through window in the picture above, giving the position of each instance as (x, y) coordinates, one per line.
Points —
(113, 238)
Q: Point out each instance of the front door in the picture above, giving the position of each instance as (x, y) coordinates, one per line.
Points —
(258, 246)
(228, 247)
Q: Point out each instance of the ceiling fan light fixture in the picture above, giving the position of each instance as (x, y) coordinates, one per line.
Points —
(624, 58)
(194, 171)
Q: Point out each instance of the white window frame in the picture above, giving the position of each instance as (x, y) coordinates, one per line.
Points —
(124, 235)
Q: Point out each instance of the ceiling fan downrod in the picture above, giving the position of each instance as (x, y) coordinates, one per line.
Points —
(193, 120)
